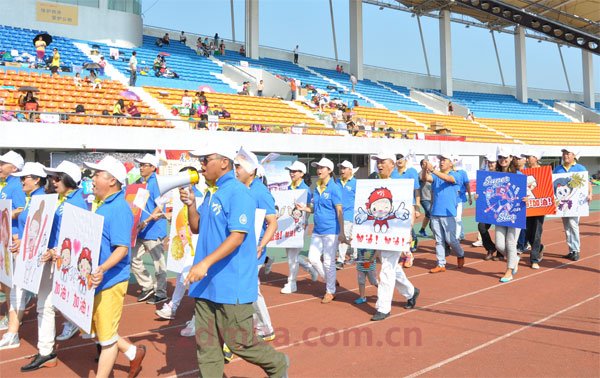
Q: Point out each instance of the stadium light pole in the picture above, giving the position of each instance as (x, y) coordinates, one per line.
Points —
(335, 51)
(423, 45)
(564, 67)
(497, 57)
(232, 21)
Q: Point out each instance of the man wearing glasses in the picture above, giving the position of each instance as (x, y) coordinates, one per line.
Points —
(223, 277)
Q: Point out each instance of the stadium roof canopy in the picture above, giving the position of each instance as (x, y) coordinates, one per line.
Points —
(580, 17)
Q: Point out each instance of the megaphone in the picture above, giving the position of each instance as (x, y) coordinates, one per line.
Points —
(166, 183)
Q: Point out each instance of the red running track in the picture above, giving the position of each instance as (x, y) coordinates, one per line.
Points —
(544, 323)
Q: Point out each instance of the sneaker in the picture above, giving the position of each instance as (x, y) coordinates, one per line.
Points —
(4, 323)
(68, 331)
(40, 361)
(10, 341)
(289, 288)
(135, 365)
(166, 312)
(423, 233)
(535, 266)
(268, 337)
(438, 269)
(268, 265)
(360, 300)
(460, 262)
(227, 354)
(477, 243)
(327, 298)
(145, 295)
(412, 302)
(190, 328)
(156, 300)
(379, 316)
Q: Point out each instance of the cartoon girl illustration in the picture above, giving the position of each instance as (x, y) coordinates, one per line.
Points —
(84, 266)
(380, 209)
(63, 262)
(182, 244)
(563, 191)
(33, 235)
(5, 242)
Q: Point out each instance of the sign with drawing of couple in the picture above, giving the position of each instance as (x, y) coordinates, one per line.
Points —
(290, 221)
(540, 193)
(78, 252)
(382, 214)
(500, 199)
(6, 264)
(36, 234)
(571, 192)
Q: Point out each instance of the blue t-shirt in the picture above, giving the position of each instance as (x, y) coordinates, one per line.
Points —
(348, 196)
(462, 179)
(75, 198)
(22, 219)
(325, 214)
(13, 190)
(232, 280)
(574, 168)
(116, 232)
(156, 229)
(264, 200)
(444, 196)
(303, 186)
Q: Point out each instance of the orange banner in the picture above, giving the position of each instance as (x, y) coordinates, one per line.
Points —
(540, 191)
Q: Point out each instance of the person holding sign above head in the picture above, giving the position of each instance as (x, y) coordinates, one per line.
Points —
(297, 171)
(391, 275)
(444, 187)
(111, 278)
(152, 231)
(348, 185)
(535, 224)
(571, 224)
(65, 179)
(223, 277)
(33, 180)
(328, 225)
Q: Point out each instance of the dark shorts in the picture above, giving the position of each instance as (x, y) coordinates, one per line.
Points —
(426, 204)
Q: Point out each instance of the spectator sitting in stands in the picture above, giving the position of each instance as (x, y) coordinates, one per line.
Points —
(223, 113)
(79, 109)
(470, 117)
(186, 100)
(182, 38)
(243, 50)
(118, 108)
(203, 109)
(77, 80)
(133, 111)
(245, 89)
(199, 43)
(341, 69)
(166, 40)
(222, 48)
(404, 134)
(29, 102)
(201, 96)
(337, 68)
(389, 132)
(157, 65)
(450, 108)
(102, 64)
(352, 128)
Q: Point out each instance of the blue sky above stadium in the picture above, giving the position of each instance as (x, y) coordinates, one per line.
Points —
(391, 38)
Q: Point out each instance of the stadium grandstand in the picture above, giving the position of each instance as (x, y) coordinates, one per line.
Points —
(387, 108)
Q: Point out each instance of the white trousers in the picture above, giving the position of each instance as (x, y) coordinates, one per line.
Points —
(262, 319)
(294, 261)
(45, 313)
(458, 217)
(391, 275)
(343, 247)
(324, 245)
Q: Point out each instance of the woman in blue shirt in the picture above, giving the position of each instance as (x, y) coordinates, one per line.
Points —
(33, 180)
(297, 171)
(328, 224)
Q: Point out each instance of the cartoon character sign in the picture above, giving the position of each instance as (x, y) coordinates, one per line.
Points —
(570, 192)
(79, 251)
(183, 242)
(28, 269)
(382, 214)
(500, 198)
(380, 209)
(5, 242)
(291, 222)
(540, 194)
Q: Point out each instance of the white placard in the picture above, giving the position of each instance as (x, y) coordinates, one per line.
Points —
(79, 251)
(6, 261)
(141, 197)
(182, 242)
(36, 234)
(290, 221)
(382, 214)
(570, 194)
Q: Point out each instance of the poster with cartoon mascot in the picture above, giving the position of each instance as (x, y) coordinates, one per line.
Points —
(182, 242)
(6, 263)
(291, 222)
(382, 214)
(570, 194)
(77, 256)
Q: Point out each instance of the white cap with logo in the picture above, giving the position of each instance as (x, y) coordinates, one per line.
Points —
(324, 162)
(111, 165)
(68, 168)
(297, 166)
(531, 152)
(149, 159)
(13, 158)
(347, 164)
(35, 169)
(224, 151)
(384, 156)
(572, 150)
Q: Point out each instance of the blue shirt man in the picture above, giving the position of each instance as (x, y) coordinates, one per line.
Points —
(324, 202)
(445, 197)
(13, 190)
(264, 200)
(348, 189)
(155, 229)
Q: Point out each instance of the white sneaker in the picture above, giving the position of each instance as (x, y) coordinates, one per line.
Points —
(289, 288)
(68, 331)
(190, 328)
(10, 341)
(269, 265)
(478, 243)
(4, 323)
(88, 336)
(166, 312)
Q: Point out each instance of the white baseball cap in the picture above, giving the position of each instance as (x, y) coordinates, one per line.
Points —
(111, 165)
(68, 168)
(502, 151)
(574, 151)
(491, 158)
(224, 151)
(247, 159)
(448, 156)
(297, 166)
(324, 162)
(384, 156)
(347, 164)
(149, 159)
(30, 168)
(536, 154)
(13, 158)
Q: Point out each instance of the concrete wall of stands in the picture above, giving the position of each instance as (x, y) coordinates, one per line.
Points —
(39, 136)
(94, 24)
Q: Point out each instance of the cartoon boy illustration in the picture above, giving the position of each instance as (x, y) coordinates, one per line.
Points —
(84, 265)
(380, 209)
(64, 260)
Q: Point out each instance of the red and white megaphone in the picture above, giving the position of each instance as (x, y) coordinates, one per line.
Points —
(166, 183)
